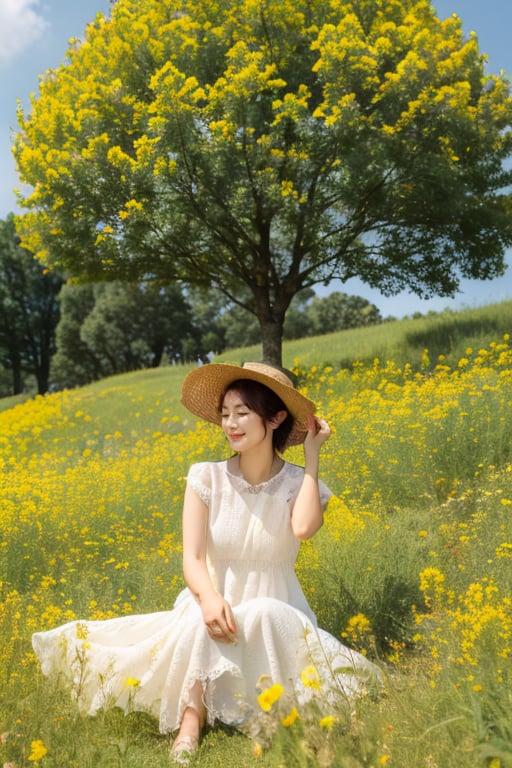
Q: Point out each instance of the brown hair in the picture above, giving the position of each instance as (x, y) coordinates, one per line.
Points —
(263, 401)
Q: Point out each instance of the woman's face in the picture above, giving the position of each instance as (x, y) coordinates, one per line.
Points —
(245, 429)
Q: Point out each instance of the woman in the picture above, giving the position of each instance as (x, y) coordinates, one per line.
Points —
(243, 615)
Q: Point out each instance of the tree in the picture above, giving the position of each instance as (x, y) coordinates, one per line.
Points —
(231, 326)
(112, 328)
(240, 328)
(339, 311)
(297, 323)
(207, 306)
(29, 311)
(261, 148)
(74, 364)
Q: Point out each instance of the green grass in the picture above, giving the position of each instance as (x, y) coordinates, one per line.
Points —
(10, 402)
(126, 398)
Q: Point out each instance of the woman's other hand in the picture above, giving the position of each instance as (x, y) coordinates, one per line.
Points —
(218, 618)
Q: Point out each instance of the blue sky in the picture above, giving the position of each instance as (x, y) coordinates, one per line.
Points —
(34, 36)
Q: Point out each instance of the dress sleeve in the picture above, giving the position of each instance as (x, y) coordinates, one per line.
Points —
(325, 494)
(297, 478)
(199, 479)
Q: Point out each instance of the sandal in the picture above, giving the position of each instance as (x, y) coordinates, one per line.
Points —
(183, 749)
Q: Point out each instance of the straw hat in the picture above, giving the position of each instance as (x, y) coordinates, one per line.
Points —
(204, 386)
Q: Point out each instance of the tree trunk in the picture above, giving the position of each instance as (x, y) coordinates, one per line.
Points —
(272, 341)
(157, 352)
(43, 373)
(17, 380)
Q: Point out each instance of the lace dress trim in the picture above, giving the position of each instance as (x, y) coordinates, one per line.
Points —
(241, 483)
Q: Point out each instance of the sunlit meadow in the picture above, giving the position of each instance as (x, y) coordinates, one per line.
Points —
(413, 565)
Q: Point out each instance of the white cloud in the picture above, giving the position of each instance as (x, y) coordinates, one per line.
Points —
(20, 25)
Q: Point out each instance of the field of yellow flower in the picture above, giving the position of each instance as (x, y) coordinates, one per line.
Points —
(413, 565)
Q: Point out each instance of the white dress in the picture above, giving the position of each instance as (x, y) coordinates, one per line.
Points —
(150, 662)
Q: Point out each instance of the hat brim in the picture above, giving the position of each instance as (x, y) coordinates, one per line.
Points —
(203, 387)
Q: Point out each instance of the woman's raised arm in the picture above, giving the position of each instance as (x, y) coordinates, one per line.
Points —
(307, 514)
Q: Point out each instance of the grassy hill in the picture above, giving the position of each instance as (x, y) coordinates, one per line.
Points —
(403, 341)
(412, 566)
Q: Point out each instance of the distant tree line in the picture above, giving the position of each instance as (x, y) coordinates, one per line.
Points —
(29, 314)
(56, 334)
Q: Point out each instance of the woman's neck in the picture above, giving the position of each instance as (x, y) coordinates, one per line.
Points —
(260, 468)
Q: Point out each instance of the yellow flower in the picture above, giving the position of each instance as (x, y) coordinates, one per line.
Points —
(290, 718)
(268, 697)
(132, 682)
(309, 677)
(38, 750)
(327, 722)
(357, 626)
(81, 632)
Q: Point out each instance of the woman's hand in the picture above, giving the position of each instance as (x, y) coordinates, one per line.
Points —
(218, 618)
(318, 432)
